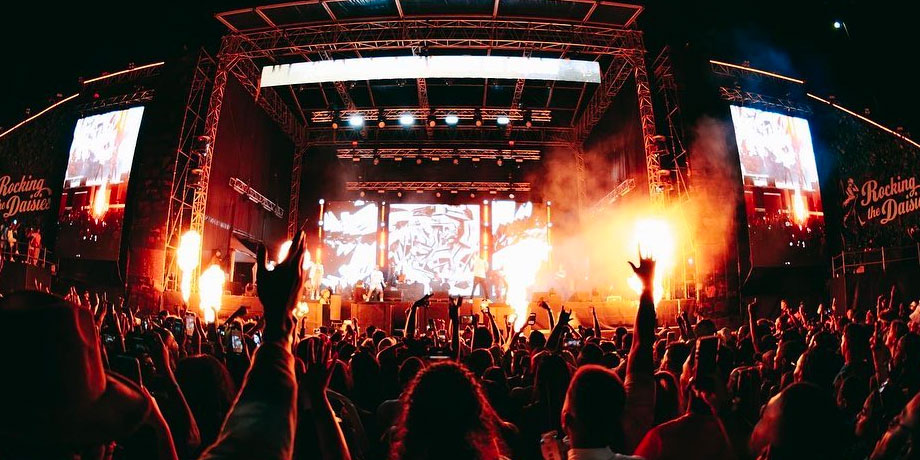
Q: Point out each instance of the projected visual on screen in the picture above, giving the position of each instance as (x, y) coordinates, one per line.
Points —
(781, 189)
(434, 244)
(519, 243)
(350, 243)
(96, 184)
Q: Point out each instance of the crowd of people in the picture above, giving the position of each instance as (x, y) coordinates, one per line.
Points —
(88, 377)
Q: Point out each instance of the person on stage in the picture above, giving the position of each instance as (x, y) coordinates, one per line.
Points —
(376, 285)
(480, 267)
(317, 271)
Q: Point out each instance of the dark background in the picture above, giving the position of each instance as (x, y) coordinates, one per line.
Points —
(48, 46)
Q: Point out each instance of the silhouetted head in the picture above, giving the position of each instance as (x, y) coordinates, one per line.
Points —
(801, 422)
(593, 410)
(465, 428)
(209, 390)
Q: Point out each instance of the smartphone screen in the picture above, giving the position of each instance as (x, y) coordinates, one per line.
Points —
(466, 319)
(189, 324)
(531, 319)
(236, 340)
(257, 338)
(706, 349)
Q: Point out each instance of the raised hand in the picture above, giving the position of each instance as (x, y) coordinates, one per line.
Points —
(545, 305)
(564, 316)
(423, 302)
(279, 289)
(645, 271)
(453, 307)
(318, 363)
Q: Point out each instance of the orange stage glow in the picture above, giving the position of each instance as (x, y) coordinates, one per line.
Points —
(188, 256)
(283, 251)
(211, 288)
(101, 201)
(799, 208)
(655, 237)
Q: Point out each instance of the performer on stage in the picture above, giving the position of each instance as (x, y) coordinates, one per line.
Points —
(376, 285)
(317, 271)
(480, 266)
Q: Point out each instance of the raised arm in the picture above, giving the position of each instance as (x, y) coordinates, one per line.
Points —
(453, 310)
(410, 318)
(555, 336)
(640, 353)
(597, 324)
(549, 313)
(751, 326)
(263, 419)
(319, 364)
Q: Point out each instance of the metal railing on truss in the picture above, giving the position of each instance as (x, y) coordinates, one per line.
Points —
(858, 261)
(20, 252)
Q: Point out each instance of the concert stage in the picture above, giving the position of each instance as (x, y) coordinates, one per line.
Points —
(391, 315)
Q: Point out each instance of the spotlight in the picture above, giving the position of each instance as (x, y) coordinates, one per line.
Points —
(511, 195)
(503, 120)
(838, 24)
(499, 162)
(356, 159)
(335, 125)
(381, 124)
(511, 143)
(432, 121)
(478, 122)
(376, 161)
(322, 201)
(356, 120)
(399, 194)
(456, 161)
(419, 191)
(528, 119)
(451, 120)
(528, 123)
(438, 194)
(477, 118)
(362, 194)
(418, 161)
(472, 195)
(406, 119)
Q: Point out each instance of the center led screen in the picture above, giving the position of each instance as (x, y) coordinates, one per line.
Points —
(434, 244)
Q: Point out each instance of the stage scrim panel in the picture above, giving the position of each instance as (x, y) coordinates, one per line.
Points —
(96, 184)
(434, 244)
(781, 191)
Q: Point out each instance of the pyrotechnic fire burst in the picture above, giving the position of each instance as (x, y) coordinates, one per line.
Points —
(655, 238)
(101, 201)
(188, 255)
(799, 208)
(210, 289)
(520, 265)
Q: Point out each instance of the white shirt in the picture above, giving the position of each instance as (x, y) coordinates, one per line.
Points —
(479, 268)
(376, 280)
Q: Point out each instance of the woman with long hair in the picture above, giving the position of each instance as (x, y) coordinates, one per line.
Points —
(446, 415)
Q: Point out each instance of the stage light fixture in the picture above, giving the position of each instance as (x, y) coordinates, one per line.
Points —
(399, 194)
(335, 125)
(549, 203)
(511, 196)
(503, 120)
(838, 24)
(419, 191)
(397, 158)
(381, 124)
(528, 119)
(356, 120)
(376, 161)
(511, 143)
(478, 123)
(451, 120)
(456, 161)
(362, 193)
(472, 195)
(438, 194)
(432, 121)
(418, 161)
(322, 201)
(499, 162)
(406, 119)
(356, 159)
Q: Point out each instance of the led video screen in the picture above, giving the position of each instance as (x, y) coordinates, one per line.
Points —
(434, 244)
(781, 190)
(96, 184)
(515, 226)
(350, 243)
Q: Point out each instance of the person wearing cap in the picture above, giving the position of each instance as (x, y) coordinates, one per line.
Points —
(56, 397)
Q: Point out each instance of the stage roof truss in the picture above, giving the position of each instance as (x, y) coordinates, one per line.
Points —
(438, 154)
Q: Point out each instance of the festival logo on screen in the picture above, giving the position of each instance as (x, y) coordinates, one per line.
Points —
(781, 190)
(434, 244)
(23, 196)
(884, 201)
(96, 184)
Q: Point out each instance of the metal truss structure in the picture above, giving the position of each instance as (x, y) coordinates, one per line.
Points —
(188, 152)
(430, 186)
(739, 96)
(141, 95)
(421, 114)
(622, 189)
(253, 195)
(434, 154)
(244, 51)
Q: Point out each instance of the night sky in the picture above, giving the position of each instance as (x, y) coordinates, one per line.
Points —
(48, 46)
